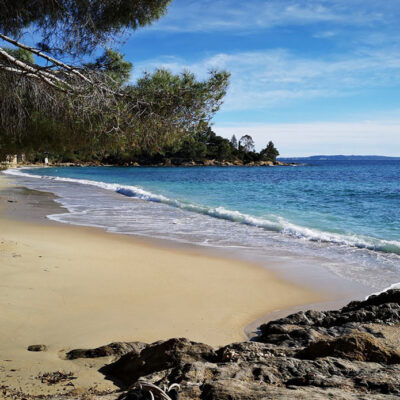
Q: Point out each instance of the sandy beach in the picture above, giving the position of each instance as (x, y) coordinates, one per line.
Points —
(76, 287)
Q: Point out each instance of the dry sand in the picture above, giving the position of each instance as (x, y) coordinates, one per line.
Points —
(76, 287)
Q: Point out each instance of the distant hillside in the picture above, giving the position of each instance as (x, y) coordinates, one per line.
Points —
(338, 157)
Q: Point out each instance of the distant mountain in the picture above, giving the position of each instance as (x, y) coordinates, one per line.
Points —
(338, 157)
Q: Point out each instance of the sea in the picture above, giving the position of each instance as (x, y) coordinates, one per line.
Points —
(345, 214)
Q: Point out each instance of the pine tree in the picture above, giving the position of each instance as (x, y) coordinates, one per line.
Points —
(234, 142)
(246, 143)
(270, 152)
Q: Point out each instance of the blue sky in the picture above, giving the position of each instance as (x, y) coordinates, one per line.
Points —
(315, 76)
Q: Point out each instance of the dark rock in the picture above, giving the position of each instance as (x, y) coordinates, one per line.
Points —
(157, 357)
(348, 354)
(302, 328)
(112, 349)
(232, 389)
(388, 297)
(358, 346)
(37, 347)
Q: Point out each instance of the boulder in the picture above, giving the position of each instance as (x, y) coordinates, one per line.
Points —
(358, 346)
(352, 353)
(37, 347)
(266, 163)
(208, 163)
(188, 164)
(302, 328)
(157, 357)
(112, 349)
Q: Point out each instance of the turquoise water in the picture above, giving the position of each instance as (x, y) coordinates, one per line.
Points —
(347, 207)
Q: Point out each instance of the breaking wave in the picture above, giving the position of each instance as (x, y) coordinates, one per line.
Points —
(275, 223)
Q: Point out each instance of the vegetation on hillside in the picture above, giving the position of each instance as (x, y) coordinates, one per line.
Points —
(203, 146)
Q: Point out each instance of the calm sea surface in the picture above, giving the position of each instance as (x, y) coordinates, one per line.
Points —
(347, 212)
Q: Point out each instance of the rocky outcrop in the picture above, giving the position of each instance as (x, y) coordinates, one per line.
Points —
(357, 346)
(112, 349)
(177, 162)
(158, 357)
(303, 328)
(352, 353)
(168, 162)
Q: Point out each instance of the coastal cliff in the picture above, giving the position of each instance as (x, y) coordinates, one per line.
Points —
(352, 353)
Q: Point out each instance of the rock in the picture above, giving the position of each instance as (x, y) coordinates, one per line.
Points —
(209, 163)
(248, 370)
(352, 353)
(358, 346)
(188, 164)
(232, 389)
(157, 357)
(112, 349)
(348, 354)
(266, 163)
(37, 347)
(302, 328)
(227, 164)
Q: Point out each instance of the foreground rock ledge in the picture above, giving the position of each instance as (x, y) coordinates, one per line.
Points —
(352, 353)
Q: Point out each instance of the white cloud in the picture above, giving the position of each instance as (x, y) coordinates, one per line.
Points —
(325, 34)
(362, 57)
(363, 137)
(221, 15)
(265, 78)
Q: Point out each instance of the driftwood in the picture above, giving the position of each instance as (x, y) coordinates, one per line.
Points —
(154, 391)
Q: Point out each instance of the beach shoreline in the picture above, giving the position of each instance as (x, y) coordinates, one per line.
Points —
(300, 270)
(69, 286)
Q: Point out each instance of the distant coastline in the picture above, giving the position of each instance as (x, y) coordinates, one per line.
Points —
(181, 162)
(339, 158)
(166, 163)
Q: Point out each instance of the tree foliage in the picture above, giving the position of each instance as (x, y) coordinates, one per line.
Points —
(21, 54)
(160, 110)
(77, 26)
(234, 142)
(113, 64)
(246, 143)
(270, 152)
(91, 108)
(207, 145)
(178, 106)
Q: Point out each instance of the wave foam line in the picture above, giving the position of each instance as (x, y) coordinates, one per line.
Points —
(282, 226)
(393, 286)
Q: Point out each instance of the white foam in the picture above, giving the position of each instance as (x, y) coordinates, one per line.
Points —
(280, 225)
(393, 286)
